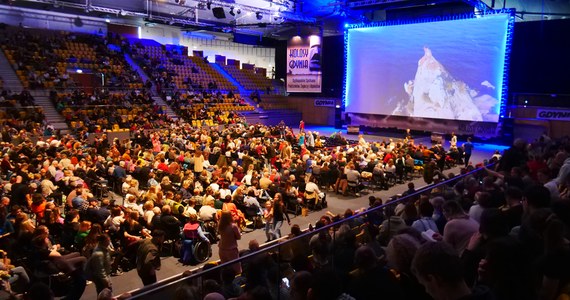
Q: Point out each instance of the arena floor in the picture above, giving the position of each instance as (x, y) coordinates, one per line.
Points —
(336, 204)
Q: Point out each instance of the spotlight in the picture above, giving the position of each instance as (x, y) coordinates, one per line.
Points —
(123, 12)
(209, 5)
(181, 2)
(238, 11)
(258, 15)
(232, 11)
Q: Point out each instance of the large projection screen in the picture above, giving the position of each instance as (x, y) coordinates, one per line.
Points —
(443, 70)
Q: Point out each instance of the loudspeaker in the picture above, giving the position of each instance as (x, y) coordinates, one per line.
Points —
(337, 118)
(219, 12)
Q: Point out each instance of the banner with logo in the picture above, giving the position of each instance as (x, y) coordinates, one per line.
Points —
(553, 114)
(304, 73)
(325, 102)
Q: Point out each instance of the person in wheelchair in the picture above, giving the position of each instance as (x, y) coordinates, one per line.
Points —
(208, 215)
(253, 210)
(193, 250)
(251, 203)
(313, 195)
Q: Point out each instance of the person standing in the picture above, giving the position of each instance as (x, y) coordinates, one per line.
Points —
(229, 235)
(279, 210)
(100, 264)
(148, 257)
(198, 163)
(302, 126)
(467, 150)
(281, 127)
(268, 218)
(453, 141)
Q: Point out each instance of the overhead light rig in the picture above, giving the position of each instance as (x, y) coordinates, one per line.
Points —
(90, 8)
(286, 8)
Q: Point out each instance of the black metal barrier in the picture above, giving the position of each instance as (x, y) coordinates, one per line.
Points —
(166, 288)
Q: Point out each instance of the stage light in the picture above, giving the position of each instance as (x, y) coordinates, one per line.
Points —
(123, 12)
(259, 15)
(209, 5)
(232, 11)
(78, 71)
(345, 25)
(238, 11)
(108, 20)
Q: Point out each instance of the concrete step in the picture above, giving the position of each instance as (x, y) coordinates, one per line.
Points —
(9, 76)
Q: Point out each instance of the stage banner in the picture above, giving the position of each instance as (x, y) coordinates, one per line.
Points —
(553, 114)
(304, 64)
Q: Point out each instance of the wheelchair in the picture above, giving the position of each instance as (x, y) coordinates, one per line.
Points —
(194, 251)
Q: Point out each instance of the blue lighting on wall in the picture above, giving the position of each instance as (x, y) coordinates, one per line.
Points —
(347, 69)
(508, 45)
(502, 81)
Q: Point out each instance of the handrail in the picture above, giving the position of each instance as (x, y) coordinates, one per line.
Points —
(146, 290)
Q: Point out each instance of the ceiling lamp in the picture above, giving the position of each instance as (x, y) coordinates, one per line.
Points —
(258, 15)
(232, 11)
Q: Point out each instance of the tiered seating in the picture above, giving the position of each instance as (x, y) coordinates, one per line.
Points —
(18, 110)
(248, 78)
(204, 109)
(42, 59)
(171, 70)
(113, 111)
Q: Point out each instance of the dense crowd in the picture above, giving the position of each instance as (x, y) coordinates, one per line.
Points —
(74, 208)
(498, 233)
(171, 179)
(57, 202)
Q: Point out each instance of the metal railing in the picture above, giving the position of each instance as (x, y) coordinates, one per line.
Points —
(196, 277)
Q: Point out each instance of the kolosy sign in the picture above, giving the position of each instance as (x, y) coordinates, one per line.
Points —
(553, 114)
(325, 102)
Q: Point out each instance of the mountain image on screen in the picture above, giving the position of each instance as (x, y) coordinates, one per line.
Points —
(435, 93)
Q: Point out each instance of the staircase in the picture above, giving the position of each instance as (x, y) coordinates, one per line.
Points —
(242, 91)
(11, 80)
(41, 97)
(144, 77)
(169, 112)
